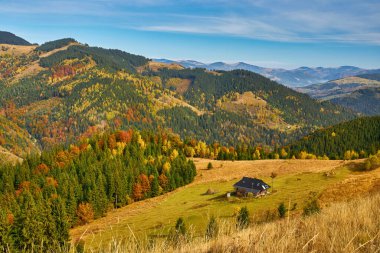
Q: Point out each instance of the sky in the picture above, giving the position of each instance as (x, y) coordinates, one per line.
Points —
(268, 33)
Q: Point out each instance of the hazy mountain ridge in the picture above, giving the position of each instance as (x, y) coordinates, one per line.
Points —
(359, 93)
(299, 77)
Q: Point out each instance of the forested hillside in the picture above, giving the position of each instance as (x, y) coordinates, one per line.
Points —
(63, 90)
(44, 196)
(10, 38)
(348, 140)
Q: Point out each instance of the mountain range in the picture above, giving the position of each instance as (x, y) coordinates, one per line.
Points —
(62, 91)
(359, 93)
(298, 77)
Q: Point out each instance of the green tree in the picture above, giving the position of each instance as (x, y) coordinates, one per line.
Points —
(212, 228)
(6, 241)
(243, 218)
(209, 166)
(282, 210)
(180, 226)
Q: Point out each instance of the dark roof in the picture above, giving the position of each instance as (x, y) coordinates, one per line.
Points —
(252, 183)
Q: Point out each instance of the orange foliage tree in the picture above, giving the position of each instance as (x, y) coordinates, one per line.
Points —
(85, 213)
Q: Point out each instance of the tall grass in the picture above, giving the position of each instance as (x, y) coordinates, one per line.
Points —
(352, 226)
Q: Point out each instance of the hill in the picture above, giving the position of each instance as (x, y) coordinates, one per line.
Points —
(63, 90)
(298, 77)
(10, 38)
(15, 143)
(360, 136)
(359, 93)
(150, 222)
(65, 187)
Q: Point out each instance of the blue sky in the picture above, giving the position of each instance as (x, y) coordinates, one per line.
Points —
(270, 33)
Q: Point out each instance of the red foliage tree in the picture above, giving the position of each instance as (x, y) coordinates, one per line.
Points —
(41, 169)
(163, 181)
(85, 213)
(112, 141)
(124, 136)
(137, 191)
(145, 184)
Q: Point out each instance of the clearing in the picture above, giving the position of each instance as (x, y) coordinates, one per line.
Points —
(296, 181)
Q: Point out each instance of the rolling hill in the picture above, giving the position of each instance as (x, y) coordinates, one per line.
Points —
(298, 77)
(15, 143)
(359, 93)
(362, 136)
(10, 38)
(63, 90)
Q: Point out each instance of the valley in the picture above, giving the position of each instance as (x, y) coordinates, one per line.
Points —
(102, 150)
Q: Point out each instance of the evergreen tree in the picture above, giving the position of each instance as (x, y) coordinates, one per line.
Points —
(282, 210)
(212, 228)
(180, 226)
(243, 218)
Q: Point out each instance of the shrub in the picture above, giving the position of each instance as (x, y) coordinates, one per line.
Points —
(243, 218)
(180, 226)
(282, 210)
(311, 208)
(212, 228)
(209, 166)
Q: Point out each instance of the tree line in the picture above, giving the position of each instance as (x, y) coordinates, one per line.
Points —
(46, 195)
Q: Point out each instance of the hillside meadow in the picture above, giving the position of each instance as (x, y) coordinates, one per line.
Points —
(297, 182)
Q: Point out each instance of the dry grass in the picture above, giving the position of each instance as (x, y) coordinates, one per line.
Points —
(16, 50)
(354, 79)
(143, 217)
(343, 227)
(228, 170)
(168, 101)
(156, 66)
(34, 68)
(8, 157)
(181, 85)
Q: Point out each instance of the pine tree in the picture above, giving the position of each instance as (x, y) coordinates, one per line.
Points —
(180, 226)
(243, 218)
(212, 228)
(282, 210)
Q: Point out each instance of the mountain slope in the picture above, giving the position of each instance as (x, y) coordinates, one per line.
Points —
(359, 93)
(299, 77)
(10, 38)
(63, 90)
(361, 135)
(15, 142)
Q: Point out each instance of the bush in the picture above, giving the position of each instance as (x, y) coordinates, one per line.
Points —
(209, 166)
(212, 228)
(180, 226)
(311, 208)
(282, 210)
(243, 218)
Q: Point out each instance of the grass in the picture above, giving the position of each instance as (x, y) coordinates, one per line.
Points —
(156, 218)
(352, 226)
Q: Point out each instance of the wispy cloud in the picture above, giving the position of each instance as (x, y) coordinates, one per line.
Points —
(348, 21)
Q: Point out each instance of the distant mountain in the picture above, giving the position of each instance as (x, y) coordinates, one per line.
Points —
(10, 38)
(299, 77)
(359, 93)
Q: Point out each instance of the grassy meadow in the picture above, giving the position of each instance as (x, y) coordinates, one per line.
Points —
(298, 182)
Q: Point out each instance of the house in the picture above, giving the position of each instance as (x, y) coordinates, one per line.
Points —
(256, 186)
